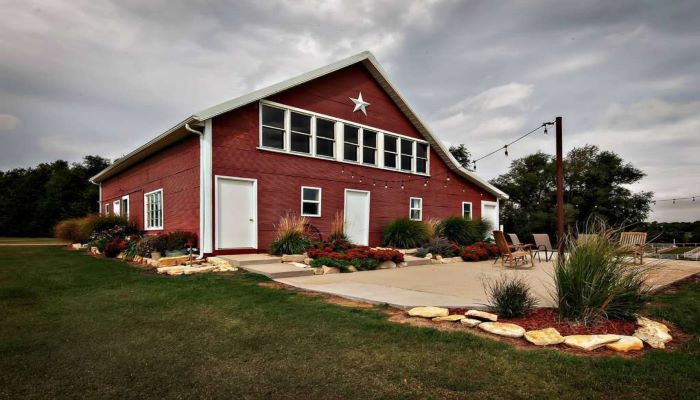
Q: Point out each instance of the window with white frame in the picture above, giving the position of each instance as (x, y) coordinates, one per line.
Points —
(273, 127)
(310, 201)
(369, 147)
(306, 133)
(325, 138)
(351, 145)
(153, 209)
(407, 155)
(107, 209)
(300, 133)
(390, 151)
(415, 208)
(421, 158)
(125, 206)
(467, 209)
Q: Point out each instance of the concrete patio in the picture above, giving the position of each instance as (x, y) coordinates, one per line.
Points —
(456, 284)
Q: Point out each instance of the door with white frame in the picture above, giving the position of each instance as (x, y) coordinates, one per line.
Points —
(236, 213)
(489, 212)
(116, 210)
(357, 216)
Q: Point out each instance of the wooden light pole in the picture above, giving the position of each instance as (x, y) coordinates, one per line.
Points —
(560, 187)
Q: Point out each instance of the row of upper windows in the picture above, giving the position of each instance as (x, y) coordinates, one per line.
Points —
(304, 133)
(311, 205)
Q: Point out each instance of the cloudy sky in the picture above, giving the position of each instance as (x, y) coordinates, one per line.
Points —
(102, 77)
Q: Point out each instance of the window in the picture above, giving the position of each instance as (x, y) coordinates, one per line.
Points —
(369, 147)
(310, 201)
(390, 151)
(272, 127)
(351, 137)
(125, 206)
(107, 209)
(407, 155)
(467, 209)
(415, 208)
(421, 158)
(115, 207)
(325, 138)
(153, 209)
(301, 133)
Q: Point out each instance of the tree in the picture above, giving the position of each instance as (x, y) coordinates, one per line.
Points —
(462, 155)
(34, 199)
(594, 185)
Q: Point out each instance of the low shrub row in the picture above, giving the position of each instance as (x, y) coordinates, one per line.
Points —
(343, 253)
(479, 251)
(406, 233)
(82, 230)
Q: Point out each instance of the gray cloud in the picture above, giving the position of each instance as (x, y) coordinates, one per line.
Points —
(102, 77)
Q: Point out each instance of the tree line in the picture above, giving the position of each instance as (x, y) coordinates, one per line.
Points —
(34, 199)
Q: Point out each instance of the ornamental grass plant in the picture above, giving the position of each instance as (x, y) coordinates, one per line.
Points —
(509, 296)
(595, 280)
(405, 233)
(290, 237)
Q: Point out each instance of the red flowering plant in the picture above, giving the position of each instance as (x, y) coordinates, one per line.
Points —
(474, 253)
(342, 250)
(492, 249)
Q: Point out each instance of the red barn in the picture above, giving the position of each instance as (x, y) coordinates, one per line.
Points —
(337, 139)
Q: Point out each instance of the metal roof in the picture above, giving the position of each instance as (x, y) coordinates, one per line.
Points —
(366, 58)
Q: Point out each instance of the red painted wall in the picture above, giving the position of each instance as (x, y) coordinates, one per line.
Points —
(175, 170)
(280, 176)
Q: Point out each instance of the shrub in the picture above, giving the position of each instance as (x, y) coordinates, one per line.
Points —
(431, 226)
(94, 224)
(289, 236)
(595, 282)
(71, 230)
(179, 240)
(361, 264)
(343, 252)
(337, 231)
(149, 244)
(463, 231)
(113, 248)
(405, 233)
(509, 296)
(492, 249)
(131, 250)
(439, 246)
(474, 253)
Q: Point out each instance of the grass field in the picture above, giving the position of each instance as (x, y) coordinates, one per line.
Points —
(73, 326)
(21, 240)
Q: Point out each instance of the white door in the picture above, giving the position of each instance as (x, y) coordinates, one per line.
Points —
(236, 210)
(357, 216)
(115, 208)
(489, 212)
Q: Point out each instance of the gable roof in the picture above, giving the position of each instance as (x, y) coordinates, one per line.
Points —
(179, 131)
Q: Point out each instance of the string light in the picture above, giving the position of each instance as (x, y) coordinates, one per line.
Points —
(401, 185)
(425, 184)
(386, 185)
(675, 199)
(506, 147)
(374, 182)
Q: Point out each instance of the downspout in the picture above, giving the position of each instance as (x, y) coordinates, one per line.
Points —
(204, 187)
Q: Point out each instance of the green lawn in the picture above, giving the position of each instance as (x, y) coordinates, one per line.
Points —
(20, 240)
(74, 326)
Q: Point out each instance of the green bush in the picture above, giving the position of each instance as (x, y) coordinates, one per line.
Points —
(94, 224)
(290, 243)
(405, 233)
(595, 282)
(149, 244)
(463, 231)
(509, 296)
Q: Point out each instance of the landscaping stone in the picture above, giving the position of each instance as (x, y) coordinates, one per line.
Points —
(428, 312)
(409, 251)
(172, 261)
(643, 321)
(352, 268)
(625, 344)
(456, 259)
(318, 271)
(402, 264)
(293, 258)
(450, 318)
(435, 261)
(429, 255)
(471, 322)
(653, 336)
(222, 264)
(138, 259)
(503, 329)
(76, 246)
(199, 270)
(387, 265)
(544, 337)
(589, 342)
(329, 270)
(94, 250)
(483, 315)
(307, 260)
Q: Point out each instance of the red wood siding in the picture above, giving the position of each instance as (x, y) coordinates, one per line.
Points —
(280, 176)
(176, 171)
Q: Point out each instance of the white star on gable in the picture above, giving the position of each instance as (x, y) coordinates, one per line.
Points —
(360, 104)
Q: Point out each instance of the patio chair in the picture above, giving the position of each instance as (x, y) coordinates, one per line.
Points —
(513, 256)
(634, 243)
(517, 243)
(543, 244)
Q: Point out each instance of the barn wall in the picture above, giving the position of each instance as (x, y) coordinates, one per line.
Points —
(280, 176)
(175, 170)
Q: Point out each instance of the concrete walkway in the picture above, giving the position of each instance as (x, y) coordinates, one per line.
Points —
(453, 285)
